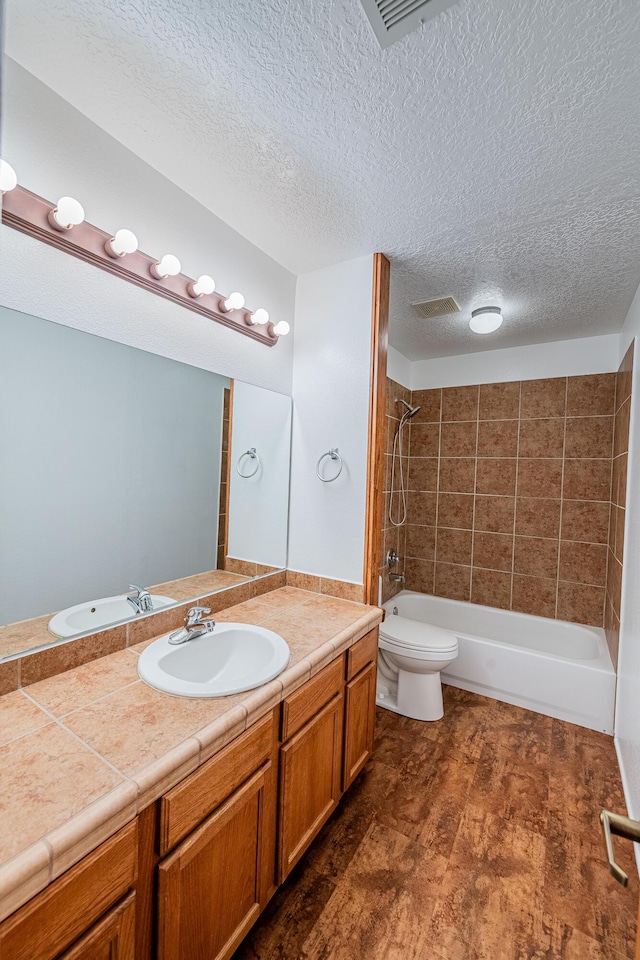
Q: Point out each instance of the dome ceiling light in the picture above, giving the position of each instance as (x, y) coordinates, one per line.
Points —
(486, 319)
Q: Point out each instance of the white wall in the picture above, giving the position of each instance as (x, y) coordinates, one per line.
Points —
(331, 409)
(56, 150)
(259, 504)
(398, 367)
(566, 358)
(631, 325)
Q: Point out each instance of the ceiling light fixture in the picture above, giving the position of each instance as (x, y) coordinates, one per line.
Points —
(485, 319)
(8, 178)
(66, 214)
(203, 285)
(167, 266)
(121, 244)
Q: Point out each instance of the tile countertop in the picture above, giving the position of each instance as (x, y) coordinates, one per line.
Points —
(83, 752)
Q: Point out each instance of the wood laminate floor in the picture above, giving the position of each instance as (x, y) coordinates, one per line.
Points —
(473, 838)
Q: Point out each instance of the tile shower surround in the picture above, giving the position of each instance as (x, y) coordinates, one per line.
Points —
(509, 488)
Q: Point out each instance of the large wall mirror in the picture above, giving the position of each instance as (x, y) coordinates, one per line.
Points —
(122, 467)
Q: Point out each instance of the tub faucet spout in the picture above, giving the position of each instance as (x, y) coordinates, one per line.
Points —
(397, 578)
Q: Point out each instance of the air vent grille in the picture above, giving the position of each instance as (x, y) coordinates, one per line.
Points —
(393, 19)
(428, 309)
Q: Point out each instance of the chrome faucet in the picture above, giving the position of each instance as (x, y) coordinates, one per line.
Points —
(194, 626)
(140, 600)
(397, 578)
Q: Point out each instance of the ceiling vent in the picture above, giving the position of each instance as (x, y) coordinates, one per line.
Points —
(393, 19)
(428, 309)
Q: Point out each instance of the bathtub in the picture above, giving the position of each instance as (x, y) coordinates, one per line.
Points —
(560, 669)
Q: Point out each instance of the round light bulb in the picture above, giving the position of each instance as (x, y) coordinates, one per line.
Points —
(8, 178)
(203, 285)
(68, 213)
(168, 266)
(233, 302)
(281, 329)
(122, 243)
(260, 316)
(486, 319)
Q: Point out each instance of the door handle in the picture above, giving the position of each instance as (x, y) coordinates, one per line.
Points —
(622, 827)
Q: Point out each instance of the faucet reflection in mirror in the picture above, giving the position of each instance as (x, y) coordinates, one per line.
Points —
(63, 225)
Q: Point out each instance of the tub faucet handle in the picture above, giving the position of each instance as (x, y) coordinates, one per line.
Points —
(392, 558)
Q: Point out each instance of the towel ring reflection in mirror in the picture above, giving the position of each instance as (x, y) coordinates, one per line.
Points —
(256, 459)
(334, 455)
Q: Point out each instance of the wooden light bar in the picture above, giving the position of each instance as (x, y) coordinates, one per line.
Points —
(29, 213)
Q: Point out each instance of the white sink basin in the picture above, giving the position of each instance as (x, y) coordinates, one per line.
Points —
(235, 657)
(95, 614)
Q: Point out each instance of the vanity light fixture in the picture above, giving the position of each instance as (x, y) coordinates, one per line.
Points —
(485, 319)
(66, 214)
(8, 178)
(203, 285)
(167, 266)
(258, 316)
(280, 329)
(233, 302)
(122, 243)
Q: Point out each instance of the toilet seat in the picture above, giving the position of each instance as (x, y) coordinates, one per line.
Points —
(424, 640)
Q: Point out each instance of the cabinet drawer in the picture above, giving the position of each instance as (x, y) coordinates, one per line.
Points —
(184, 807)
(112, 938)
(49, 923)
(305, 702)
(361, 653)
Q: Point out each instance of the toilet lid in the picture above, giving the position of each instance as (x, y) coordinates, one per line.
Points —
(415, 635)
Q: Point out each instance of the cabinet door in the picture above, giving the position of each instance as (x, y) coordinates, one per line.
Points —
(310, 766)
(112, 938)
(211, 888)
(360, 715)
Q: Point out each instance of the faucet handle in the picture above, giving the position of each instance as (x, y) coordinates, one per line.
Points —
(132, 586)
(194, 615)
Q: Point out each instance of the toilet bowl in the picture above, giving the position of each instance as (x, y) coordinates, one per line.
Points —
(411, 655)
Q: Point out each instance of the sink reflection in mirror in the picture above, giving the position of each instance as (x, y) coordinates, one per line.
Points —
(133, 477)
(230, 658)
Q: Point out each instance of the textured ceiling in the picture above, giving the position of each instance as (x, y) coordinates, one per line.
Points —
(494, 154)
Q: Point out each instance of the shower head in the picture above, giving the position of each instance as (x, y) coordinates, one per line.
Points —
(410, 411)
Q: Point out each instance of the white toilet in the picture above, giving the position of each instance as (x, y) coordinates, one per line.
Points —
(411, 655)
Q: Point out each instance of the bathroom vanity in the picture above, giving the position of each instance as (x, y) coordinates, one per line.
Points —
(190, 873)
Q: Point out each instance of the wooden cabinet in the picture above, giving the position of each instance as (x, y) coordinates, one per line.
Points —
(112, 938)
(47, 925)
(359, 723)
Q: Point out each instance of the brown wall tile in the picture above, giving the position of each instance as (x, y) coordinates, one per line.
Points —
(622, 422)
(456, 475)
(419, 575)
(423, 473)
(421, 507)
(587, 479)
(453, 546)
(455, 510)
(9, 676)
(499, 401)
(460, 403)
(541, 438)
(543, 398)
(493, 551)
(494, 514)
(589, 437)
(496, 477)
(458, 439)
(65, 656)
(498, 438)
(580, 603)
(425, 440)
(535, 557)
(537, 517)
(429, 402)
(583, 562)
(591, 396)
(585, 520)
(539, 478)
(453, 581)
(534, 595)
(491, 588)
(420, 542)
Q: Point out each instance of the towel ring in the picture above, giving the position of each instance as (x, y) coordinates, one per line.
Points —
(333, 453)
(254, 456)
